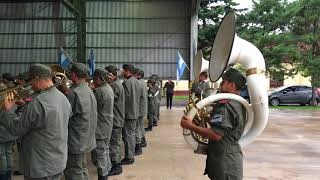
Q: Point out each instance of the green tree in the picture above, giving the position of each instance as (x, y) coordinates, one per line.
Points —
(306, 27)
(267, 27)
(210, 15)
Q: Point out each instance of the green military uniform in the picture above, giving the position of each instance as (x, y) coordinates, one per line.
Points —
(118, 121)
(224, 160)
(43, 130)
(152, 106)
(132, 96)
(82, 126)
(157, 99)
(6, 143)
(199, 87)
(104, 96)
(142, 111)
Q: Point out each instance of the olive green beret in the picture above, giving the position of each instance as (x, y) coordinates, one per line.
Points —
(233, 75)
(111, 68)
(80, 70)
(41, 71)
(101, 73)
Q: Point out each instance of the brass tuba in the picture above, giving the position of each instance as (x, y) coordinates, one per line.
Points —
(228, 49)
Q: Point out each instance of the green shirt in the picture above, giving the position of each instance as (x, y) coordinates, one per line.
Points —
(119, 103)
(43, 130)
(83, 123)
(132, 95)
(224, 158)
(143, 98)
(104, 96)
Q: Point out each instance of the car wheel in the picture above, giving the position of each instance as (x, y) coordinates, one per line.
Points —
(274, 102)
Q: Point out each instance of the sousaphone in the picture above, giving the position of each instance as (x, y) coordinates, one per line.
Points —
(228, 50)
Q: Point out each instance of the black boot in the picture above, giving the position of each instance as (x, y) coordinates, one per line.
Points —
(103, 177)
(143, 142)
(149, 128)
(155, 123)
(3, 177)
(138, 150)
(127, 161)
(8, 175)
(115, 170)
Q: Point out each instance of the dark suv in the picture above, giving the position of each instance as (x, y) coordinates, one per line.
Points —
(293, 95)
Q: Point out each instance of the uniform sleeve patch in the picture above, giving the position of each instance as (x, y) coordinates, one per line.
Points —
(216, 119)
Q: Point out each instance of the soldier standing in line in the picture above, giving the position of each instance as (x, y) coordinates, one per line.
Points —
(82, 124)
(152, 90)
(104, 95)
(43, 127)
(142, 112)
(157, 99)
(132, 96)
(118, 121)
(6, 143)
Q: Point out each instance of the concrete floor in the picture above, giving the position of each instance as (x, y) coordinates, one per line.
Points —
(289, 148)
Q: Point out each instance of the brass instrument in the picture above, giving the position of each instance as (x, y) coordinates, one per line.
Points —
(22, 91)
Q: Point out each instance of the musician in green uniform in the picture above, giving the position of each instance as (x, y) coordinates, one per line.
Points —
(152, 106)
(118, 121)
(132, 95)
(224, 156)
(104, 95)
(82, 124)
(43, 127)
(201, 85)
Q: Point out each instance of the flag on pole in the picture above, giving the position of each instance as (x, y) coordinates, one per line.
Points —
(91, 62)
(64, 60)
(181, 65)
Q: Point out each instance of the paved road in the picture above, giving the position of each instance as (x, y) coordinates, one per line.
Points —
(289, 148)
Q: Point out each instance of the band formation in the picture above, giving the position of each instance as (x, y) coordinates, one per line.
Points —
(57, 120)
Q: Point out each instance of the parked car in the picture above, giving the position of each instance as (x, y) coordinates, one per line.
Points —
(293, 95)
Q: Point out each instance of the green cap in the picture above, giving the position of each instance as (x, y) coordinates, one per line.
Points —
(101, 73)
(233, 75)
(80, 70)
(41, 71)
(112, 69)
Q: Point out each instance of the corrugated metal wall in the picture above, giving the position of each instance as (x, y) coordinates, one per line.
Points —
(33, 32)
(145, 33)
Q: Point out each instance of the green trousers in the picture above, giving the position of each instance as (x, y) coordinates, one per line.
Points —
(54, 177)
(115, 143)
(100, 156)
(5, 157)
(129, 137)
(76, 167)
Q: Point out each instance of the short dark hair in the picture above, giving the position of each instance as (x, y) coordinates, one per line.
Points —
(204, 73)
(233, 75)
(128, 67)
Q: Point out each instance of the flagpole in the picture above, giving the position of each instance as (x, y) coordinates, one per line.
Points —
(66, 54)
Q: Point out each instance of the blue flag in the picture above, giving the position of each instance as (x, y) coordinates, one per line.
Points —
(91, 62)
(64, 60)
(181, 65)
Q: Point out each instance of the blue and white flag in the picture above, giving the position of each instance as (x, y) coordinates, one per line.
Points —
(181, 65)
(91, 63)
(64, 60)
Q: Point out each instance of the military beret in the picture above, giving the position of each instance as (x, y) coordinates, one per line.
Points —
(7, 76)
(156, 76)
(101, 73)
(80, 70)
(128, 67)
(152, 79)
(233, 75)
(23, 76)
(111, 68)
(40, 70)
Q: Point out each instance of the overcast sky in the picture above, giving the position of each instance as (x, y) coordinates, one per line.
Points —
(244, 3)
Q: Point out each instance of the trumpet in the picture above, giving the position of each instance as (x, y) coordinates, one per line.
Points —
(22, 91)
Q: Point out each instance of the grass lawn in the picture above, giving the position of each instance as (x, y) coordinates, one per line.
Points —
(297, 107)
(180, 97)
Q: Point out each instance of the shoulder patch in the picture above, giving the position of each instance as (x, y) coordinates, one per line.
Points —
(216, 119)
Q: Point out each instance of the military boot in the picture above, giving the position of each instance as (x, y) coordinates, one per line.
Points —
(103, 177)
(149, 128)
(138, 150)
(3, 177)
(127, 161)
(143, 142)
(115, 170)
(8, 175)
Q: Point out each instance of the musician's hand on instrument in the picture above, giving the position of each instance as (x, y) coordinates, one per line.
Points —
(186, 122)
(20, 102)
(8, 103)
